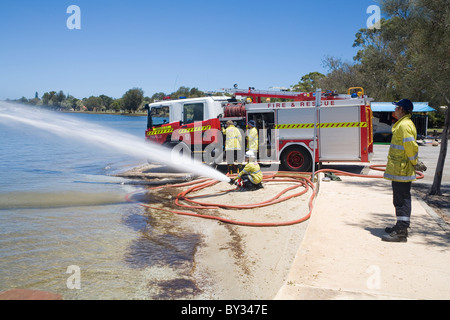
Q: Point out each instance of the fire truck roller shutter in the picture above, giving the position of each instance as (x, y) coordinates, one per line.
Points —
(296, 158)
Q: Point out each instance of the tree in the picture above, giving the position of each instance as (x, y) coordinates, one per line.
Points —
(106, 101)
(309, 82)
(377, 62)
(406, 58)
(132, 99)
(158, 96)
(49, 98)
(427, 67)
(70, 103)
(341, 76)
(117, 105)
(195, 93)
(437, 181)
(59, 98)
(93, 103)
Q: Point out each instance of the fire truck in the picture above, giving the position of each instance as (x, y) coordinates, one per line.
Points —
(296, 129)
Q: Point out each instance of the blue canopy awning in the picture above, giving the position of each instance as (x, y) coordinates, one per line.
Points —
(389, 107)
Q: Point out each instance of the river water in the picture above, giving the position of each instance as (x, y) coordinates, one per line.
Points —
(65, 226)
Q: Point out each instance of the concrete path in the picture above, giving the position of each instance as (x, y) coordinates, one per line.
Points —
(342, 255)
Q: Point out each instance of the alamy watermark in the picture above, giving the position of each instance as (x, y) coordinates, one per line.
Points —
(374, 280)
(374, 21)
(74, 280)
(74, 20)
(215, 153)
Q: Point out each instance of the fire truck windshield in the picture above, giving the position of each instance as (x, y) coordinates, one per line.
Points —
(158, 116)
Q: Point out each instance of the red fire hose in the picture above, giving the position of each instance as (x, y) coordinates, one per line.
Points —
(300, 180)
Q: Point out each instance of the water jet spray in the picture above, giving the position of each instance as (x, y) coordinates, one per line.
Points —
(107, 138)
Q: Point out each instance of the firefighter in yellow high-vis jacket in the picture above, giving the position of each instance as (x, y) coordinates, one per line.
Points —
(251, 176)
(233, 146)
(252, 136)
(400, 169)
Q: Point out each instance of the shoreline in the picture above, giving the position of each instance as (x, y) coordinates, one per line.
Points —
(136, 114)
(232, 261)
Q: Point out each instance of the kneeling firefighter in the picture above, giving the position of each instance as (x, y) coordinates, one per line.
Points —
(250, 178)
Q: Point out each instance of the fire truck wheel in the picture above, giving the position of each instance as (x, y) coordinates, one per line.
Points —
(296, 158)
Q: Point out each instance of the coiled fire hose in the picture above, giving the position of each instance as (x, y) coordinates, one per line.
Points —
(299, 179)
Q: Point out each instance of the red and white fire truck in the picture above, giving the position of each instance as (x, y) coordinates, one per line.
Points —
(340, 123)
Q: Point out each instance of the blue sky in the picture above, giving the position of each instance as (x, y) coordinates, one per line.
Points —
(162, 45)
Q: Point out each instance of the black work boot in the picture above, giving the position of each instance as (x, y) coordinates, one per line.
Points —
(397, 235)
(390, 229)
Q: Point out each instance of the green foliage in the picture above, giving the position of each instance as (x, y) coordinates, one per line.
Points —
(93, 103)
(132, 99)
(185, 92)
(406, 58)
(342, 76)
(309, 82)
(116, 105)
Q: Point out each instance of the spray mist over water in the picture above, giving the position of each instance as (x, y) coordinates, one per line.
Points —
(107, 138)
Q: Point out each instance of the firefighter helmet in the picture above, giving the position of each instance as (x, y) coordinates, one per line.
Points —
(250, 154)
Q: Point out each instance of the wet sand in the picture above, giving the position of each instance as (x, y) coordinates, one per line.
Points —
(233, 261)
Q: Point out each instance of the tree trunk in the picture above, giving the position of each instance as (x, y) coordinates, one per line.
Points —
(436, 187)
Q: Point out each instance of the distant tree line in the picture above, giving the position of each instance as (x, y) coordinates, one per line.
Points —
(132, 101)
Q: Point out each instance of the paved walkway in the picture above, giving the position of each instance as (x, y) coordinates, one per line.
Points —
(342, 255)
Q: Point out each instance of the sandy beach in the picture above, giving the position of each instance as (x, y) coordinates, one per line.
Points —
(233, 261)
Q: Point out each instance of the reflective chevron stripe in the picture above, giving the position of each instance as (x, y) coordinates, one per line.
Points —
(323, 125)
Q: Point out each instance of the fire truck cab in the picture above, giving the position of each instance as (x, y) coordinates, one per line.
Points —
(181, 118)
(342, 125)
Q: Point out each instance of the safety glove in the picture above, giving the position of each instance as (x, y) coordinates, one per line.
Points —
(420, 166)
